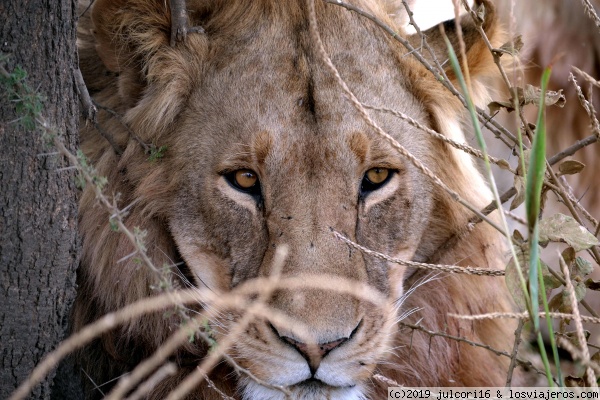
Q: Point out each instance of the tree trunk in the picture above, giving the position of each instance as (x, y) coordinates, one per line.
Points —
(38, 214)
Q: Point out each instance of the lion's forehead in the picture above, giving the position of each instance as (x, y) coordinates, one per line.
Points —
(276, 81)
(298, 117)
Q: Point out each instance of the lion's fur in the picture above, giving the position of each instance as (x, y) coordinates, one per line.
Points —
(161, 91)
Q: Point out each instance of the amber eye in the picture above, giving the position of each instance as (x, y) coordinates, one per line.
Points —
(244, 180)
(374, 179)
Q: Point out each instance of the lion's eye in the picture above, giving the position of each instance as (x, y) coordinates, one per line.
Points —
(374, 179)
(244, 180)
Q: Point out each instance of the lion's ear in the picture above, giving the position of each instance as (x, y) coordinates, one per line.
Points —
(133, 38)
(479, 58)
(127, 30)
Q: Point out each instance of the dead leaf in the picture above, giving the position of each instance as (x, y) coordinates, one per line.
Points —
(532, 94)
(573, 381)
(512, 47)
(571, 167)
(496, 106)
(562, 228)
(519, 184)
(513, 283)
(528, 95)
(584, 266)
(560, 303)
(592, 284)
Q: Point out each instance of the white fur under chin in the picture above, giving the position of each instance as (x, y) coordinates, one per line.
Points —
(254, 391)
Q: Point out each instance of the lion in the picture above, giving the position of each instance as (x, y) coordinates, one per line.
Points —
(263, 151)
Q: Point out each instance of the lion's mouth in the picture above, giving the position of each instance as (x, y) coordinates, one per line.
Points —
(308, 389)
(317, 383)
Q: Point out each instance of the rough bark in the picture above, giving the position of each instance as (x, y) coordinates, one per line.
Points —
(38, 214)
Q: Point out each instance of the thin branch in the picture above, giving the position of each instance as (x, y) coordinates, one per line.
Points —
(585, 353)
(433, 267)
(424, 41)
(193, 379)
(582, 302)
(179, 21)
(116, 148)
(513, 354)
(525, 316)
(147, 148)
(89, 110)
(484, 117)
(461, 146)
(569, 151)
(457, 338)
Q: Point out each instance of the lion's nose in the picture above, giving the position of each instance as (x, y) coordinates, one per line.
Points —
(314, 353)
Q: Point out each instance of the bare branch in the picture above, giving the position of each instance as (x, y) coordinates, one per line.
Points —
(179, 21)
(433, 267)
(585, 353)
(513, 354)
(89, 110)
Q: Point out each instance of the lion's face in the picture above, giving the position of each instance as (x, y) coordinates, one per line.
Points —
(264, 153)
(285, 162)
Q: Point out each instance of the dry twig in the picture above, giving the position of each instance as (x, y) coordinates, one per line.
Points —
(585, 353)
(433, 267)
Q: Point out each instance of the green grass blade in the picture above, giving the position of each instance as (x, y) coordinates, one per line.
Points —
(478, 133)
(533, 195)
(534, 183)
(550, 327)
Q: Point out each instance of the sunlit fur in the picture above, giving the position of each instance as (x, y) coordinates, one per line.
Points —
(249, 92)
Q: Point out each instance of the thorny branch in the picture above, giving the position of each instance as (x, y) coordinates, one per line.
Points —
(147, 148)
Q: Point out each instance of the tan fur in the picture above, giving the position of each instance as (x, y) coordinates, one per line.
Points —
(249, 92)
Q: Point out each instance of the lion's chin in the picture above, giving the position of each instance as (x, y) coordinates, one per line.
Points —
(311, 389)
